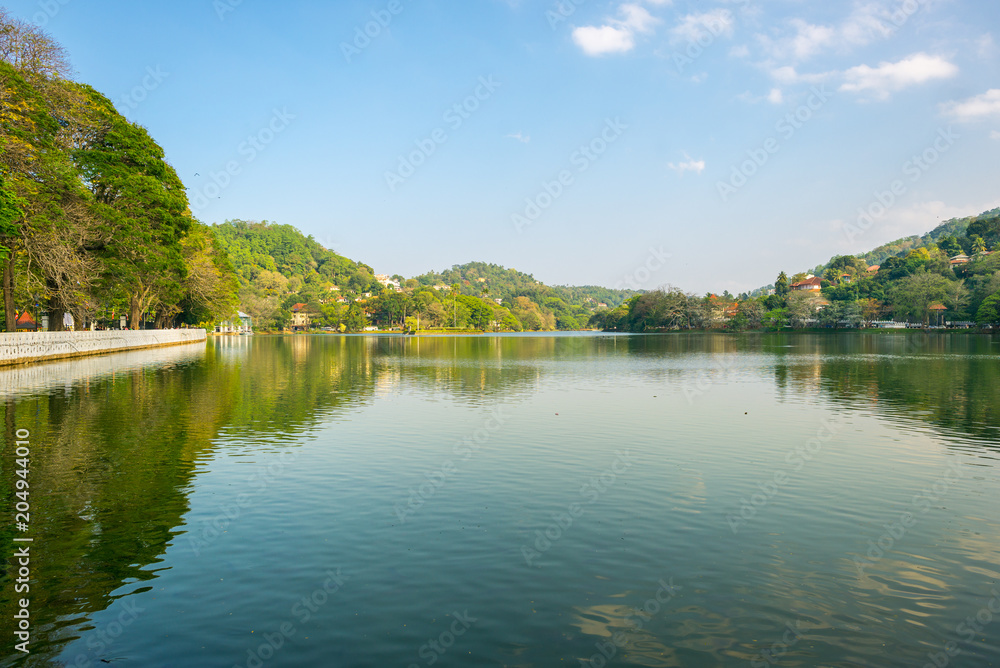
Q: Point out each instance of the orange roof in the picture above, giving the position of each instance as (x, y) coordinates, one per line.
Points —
(938, 307)
(25, 318)
(298, 307)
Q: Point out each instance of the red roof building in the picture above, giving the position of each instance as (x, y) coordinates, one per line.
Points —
(26, 323)
(815, 284)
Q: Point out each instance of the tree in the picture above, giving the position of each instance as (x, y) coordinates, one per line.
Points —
(776, 319)
(801, 308)
(782, 286)
(949, 245)
(11, 215)
(870, 309)
(211, 289)
(752, 312)
(986, 227)
(989, 310)
(142, 205)
(914, 295)
(773, 302)
(29, 49)
(851, 313)
(355, 320)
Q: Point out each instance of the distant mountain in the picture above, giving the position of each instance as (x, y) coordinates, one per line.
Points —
(506, 283)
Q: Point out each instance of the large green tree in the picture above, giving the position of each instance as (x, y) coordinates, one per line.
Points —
(914, 295)
(989, 310)
(142, 207)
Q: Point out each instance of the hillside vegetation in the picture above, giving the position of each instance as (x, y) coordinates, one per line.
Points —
(951, 274)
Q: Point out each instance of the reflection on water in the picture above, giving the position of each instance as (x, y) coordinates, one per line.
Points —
(184, 500)
(42, 378)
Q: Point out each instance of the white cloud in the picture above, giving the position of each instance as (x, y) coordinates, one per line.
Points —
(995, 135)
(618, 35)
(867, 23)
(524, 139)
(808, 39)
(637, 18)
(800, 40)
(606, 39)
(787, 75)
(975, 108)
(690, 165)
(741, 51)
(774, 96)
(707, 25)
(889, 77)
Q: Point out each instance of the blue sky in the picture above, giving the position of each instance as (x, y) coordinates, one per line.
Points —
(581, 141)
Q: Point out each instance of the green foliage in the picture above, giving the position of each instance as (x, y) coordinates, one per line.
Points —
(278, 266)
(782, 286)
(11, 213)
(913, 295)
(96, 217)
(776, 319)
(989, 310)
(554, 307)
(986, 227)
(256, 247)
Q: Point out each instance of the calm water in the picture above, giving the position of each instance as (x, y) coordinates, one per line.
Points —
(705, 500)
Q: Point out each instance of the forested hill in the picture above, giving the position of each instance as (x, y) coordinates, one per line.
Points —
(507, 284)
(951, 274)
(278, 267)
(951, 232)
(266, 247)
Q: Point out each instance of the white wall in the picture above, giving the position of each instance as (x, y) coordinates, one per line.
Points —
(35, 346)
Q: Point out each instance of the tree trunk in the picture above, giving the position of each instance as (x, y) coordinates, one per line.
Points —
(56, 319)
(134, 313)
(10, 314)
(56, 310)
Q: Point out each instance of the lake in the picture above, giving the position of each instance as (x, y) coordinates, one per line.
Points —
(522, 500)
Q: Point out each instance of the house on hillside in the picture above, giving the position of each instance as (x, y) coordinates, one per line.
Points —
(301, 318)
(814, 284)
(388, 282)
(874, 268)
(961, 258)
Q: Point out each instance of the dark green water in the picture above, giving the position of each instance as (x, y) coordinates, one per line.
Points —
(705, 500)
